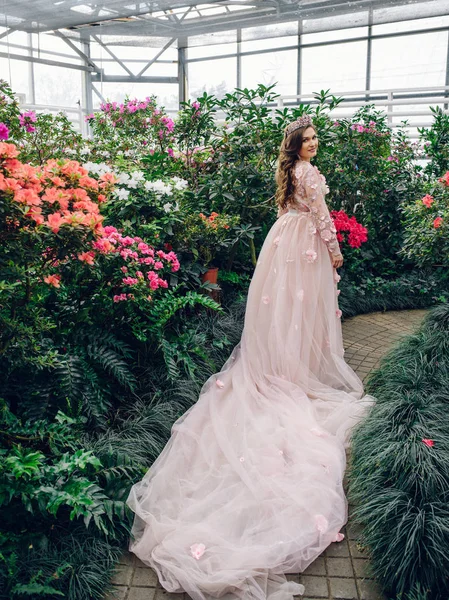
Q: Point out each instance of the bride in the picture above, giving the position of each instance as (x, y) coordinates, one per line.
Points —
(249, 486)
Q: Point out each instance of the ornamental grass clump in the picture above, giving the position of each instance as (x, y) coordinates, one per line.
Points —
(399, 480)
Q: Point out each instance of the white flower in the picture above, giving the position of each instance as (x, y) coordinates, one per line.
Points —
(167, 207)
(159, 187)
(179, 184)
(70, 151)
(104, 153)
(123, 179)
(128, 152)
(85, 150)
(97, 168)
(122, 194)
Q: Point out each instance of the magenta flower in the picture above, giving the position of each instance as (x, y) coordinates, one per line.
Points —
(4, 132)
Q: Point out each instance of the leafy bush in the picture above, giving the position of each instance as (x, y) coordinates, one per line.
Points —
(426, 226)
(399, 478)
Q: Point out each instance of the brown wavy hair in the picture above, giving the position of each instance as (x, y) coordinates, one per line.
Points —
(288, 155)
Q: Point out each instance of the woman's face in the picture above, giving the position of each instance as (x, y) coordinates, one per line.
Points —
(309, 144)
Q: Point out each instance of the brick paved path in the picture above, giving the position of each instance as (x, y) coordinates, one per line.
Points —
(342, 571)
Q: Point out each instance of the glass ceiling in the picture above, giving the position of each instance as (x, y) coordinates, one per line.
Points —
(154, 23)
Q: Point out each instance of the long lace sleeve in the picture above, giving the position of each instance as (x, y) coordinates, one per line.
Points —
(311, 188)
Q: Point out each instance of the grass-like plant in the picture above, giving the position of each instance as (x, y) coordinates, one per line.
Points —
(399, 477)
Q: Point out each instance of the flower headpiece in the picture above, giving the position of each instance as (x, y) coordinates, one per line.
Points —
(300, 122)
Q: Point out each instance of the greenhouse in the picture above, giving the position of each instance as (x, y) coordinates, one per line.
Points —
(224, 288)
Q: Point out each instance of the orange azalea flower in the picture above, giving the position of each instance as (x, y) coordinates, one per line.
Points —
(428, 200)
(55, 195)
(87, 257)
(8, 150)
(72, 167)
(79, 194)
(35, 213)
(55, 221)
(58, 181)
(27, 197)
(107, 179)
(437, 222)
(8, 184)
(54, 280)
(88, 182)
(445, 178)
(101, 198)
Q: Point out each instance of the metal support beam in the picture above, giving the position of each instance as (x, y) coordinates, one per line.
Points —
(31, 82)
(116, 58)
(182, 70)
(87, 102)
(96, 77)
(98, 93)
(239, 58)
(7, 32)
(69, 43)
(167, 45)
(44, 61)
(299, 66)
(369, 52)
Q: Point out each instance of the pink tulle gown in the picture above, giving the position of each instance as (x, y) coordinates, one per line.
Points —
(249, 486)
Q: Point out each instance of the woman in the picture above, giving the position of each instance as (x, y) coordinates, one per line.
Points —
(249, 487)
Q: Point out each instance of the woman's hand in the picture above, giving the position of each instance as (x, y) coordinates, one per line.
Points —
(337, 260)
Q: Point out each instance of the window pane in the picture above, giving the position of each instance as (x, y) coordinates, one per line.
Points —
(57, 86)
(409, 61)
(217, 77)
(410, 25)
(340, 67)
(274, 67)
(212, 50)
(330, 36)
(16, 74)
(266, 44)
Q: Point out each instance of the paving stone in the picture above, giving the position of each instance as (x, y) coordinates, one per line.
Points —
(357, 550)
(339, 567)
(144, 577)
(118, 593)
(338, 549)
(343, 589)
(318, 567)
(315, 586)
(127, 559)
(143, 594)
(292, 577)
(370, 590)
(361, 568)
(164, 595)
(122, 575)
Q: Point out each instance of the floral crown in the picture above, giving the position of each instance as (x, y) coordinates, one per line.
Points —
(300, 122)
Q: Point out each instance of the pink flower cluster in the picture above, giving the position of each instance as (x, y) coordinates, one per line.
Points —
(27, 119)
(445, 179)
(343, 223)
(4, 132)
(143, 262)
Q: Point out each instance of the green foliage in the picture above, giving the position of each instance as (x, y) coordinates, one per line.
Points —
(398, 483)
(426, 226)
(436, 142)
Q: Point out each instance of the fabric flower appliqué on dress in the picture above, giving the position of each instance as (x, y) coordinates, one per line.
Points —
(197, 550)
(276, 241)
(219, 383)
(321, 523)
(310, 255)
(300, 295)
(266, 299)
(338, 313)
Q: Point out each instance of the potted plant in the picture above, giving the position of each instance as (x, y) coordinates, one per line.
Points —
(205, 236)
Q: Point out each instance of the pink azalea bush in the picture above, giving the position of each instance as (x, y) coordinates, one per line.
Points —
(348, 229)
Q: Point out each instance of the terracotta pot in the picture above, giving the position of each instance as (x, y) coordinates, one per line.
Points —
(210, 275)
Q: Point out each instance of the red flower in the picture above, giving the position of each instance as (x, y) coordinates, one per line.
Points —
(437, 222)
(428, 443)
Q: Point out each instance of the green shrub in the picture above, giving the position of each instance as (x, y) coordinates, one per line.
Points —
(399, 479)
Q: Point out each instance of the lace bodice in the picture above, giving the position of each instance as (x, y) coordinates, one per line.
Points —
(310, 190)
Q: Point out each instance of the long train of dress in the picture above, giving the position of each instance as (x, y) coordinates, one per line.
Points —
(249, 486)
